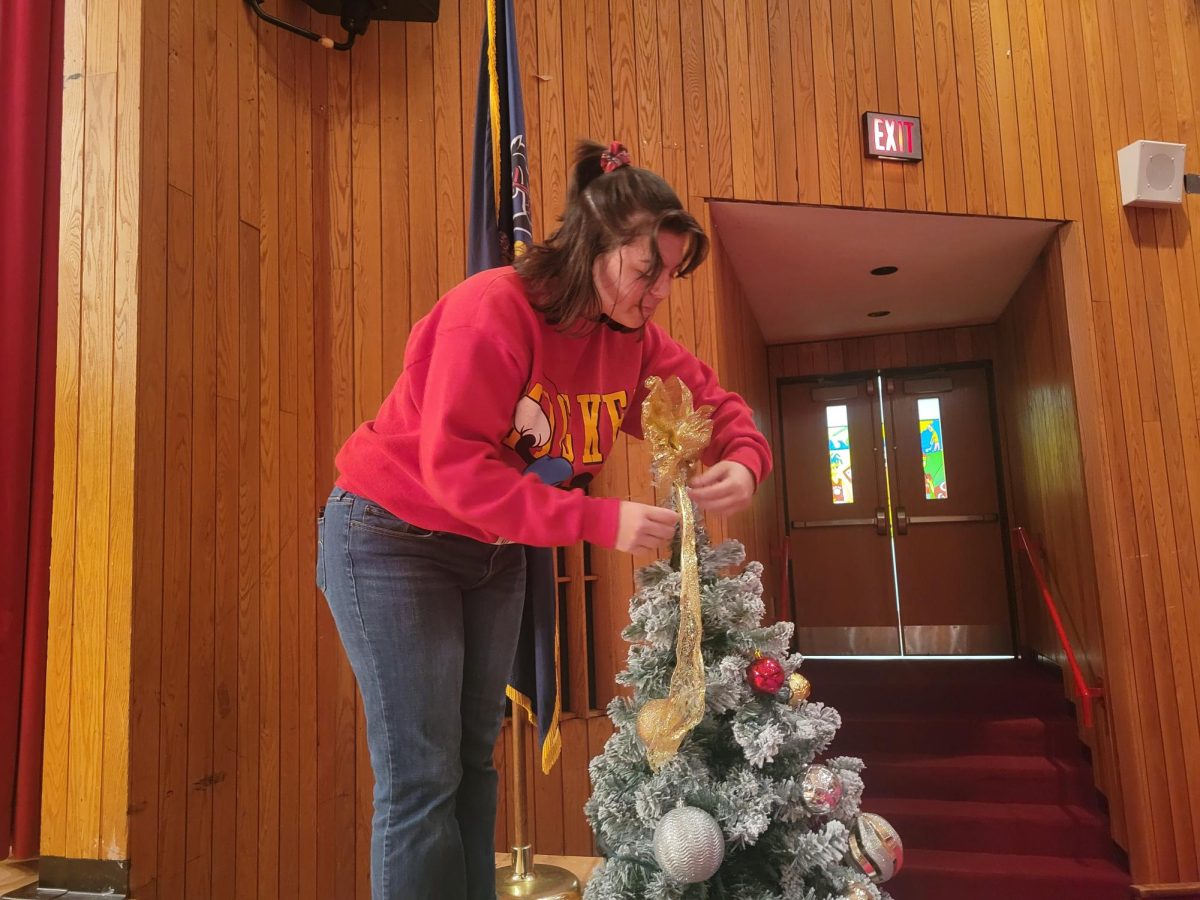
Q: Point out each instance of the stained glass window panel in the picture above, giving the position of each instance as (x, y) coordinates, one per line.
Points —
(838, 425)
(933, 453)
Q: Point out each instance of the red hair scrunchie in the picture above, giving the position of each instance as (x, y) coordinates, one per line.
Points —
(616, 156)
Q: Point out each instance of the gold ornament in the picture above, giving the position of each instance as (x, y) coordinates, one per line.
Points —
(875, 848)
(801, 688)
(856, 890)
(677, 435)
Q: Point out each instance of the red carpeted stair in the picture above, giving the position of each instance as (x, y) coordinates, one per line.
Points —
(977, 764)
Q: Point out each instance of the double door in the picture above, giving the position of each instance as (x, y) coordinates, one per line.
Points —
(895, 530)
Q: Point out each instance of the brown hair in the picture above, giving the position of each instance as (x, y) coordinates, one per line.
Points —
(604, 211)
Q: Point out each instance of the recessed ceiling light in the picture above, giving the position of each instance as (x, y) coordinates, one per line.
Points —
(879, 313)
(885, 270)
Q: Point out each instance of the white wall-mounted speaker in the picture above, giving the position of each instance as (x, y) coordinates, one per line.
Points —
(1151, 173)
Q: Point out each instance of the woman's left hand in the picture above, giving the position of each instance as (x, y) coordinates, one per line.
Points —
(727, 487)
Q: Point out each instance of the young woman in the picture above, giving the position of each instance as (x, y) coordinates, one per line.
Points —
(513, 391)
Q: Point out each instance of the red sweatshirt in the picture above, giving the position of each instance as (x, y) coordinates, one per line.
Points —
(497, 412)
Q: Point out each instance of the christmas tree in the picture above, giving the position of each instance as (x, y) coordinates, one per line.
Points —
(713, 785)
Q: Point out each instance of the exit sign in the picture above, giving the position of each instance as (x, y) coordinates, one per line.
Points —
(892, 137)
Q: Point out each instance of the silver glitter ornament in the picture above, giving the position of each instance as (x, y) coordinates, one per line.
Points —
(875, 848)
(689, 845)
(856, 890)
(821, 789)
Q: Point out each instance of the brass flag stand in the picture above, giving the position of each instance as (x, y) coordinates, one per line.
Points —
(522, 878)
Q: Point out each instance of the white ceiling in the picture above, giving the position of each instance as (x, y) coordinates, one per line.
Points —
(805, 270)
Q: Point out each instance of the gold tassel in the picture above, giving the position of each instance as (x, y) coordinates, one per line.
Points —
(677, 435)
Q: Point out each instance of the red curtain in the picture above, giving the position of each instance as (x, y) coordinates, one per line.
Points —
(31, 78)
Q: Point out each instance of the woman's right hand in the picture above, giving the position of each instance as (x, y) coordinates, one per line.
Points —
(641, 527)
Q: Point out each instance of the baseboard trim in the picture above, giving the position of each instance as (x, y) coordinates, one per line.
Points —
(1189, 891)
(84, 876)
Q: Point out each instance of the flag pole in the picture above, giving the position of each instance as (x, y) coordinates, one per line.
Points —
(522, 878)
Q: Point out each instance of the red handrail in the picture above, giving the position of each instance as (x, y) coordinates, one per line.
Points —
(1087, 693)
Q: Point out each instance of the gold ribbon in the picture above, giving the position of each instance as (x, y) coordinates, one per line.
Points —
(677, 435)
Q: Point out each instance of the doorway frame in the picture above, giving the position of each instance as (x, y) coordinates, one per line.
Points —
(998, 456)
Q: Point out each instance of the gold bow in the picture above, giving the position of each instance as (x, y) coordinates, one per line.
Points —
(677, 435)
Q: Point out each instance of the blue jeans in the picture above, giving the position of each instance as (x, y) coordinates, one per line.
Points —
(429, 622)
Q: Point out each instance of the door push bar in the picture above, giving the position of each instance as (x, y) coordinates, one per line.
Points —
(879, 521)
(832, 523)
(903, 519)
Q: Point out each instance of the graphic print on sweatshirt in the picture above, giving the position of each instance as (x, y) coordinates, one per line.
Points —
(544, 436)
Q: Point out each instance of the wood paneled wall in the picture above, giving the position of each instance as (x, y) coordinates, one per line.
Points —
(1036, 377)
(275, 217)
(93, 544)
(1134, 475)
(911, 349)
(741, 359)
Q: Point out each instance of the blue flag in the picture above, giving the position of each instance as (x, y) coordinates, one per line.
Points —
(501, 231)
(500, 222)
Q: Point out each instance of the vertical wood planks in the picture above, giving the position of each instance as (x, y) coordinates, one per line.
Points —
(250, 225)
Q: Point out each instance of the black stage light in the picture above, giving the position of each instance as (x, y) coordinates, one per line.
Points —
(355, 16)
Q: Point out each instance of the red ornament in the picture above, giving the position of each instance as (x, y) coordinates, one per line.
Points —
(765, 675)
